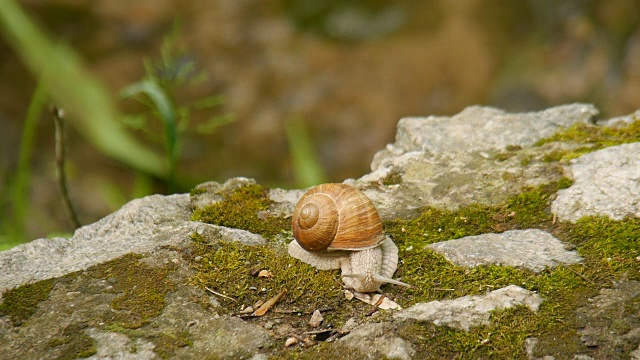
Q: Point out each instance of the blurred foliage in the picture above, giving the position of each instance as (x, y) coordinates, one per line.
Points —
(63, 79)
(14, 225)
(307, 167)
(173, 74)
(90, 108)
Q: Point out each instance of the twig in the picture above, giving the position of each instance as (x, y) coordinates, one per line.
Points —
(58, 115)
(217, 293)
(269, 304)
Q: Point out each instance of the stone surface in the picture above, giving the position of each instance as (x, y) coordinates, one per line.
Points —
(85, 302)
(439, 162)
(469, 311)
(610, 322)
(531, 249)
(111, 345)
(606, 183)
(373, 342)
(479, 128)
(140, 226)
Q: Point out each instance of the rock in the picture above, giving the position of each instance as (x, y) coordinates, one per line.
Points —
(139, 226)
(610, 320)
(112, 345)
(531, 249)
(316, 319)
(224, 338)
(606, 183)
(470, 311)
(439, 162)
(479, 128)
(372, 342)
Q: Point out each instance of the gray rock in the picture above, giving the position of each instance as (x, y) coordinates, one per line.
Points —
(606, 183)
(140, 226)
(531, 249)
(470, 311)
(479, 128)
(111, 345)
(441, 163)
(224, 338)
(373, 342)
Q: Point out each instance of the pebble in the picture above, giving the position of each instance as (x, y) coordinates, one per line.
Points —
(290, 341)
(316, 319)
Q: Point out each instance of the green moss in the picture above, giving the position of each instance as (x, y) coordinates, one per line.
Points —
(141, 289)
(241, 209)
(228, 270)
(73, 343)
(197, 191)
(555, 155)
(393, 178)
(165, 344)
(564, 182)
(609, 249)
(597, 136)
(21, 302)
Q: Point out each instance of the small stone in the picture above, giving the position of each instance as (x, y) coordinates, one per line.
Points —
(290, 341)
(247, 310)
(316, 319)
(348, 295)
(471, 311)
(532, 249)
(265, 274)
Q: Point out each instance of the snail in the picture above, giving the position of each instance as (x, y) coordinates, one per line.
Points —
(336, 226)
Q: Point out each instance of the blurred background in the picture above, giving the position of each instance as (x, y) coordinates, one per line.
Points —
(165, 94)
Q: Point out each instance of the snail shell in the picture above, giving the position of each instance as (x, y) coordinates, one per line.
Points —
(336, 217)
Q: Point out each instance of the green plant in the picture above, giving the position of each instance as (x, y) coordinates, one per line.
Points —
(159, 91)
(306, 166)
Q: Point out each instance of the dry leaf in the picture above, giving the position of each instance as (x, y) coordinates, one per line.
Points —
(269, 304)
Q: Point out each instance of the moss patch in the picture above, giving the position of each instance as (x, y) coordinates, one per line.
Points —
(73, 343)
(597, 137)
(394, 177)
(142, 289)
(244, 208)
(21, 302)
(609, 247)
(231, 271)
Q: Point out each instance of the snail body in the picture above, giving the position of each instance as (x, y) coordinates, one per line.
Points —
(336, 226)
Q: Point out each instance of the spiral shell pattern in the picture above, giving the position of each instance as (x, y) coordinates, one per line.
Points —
(336, 217)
